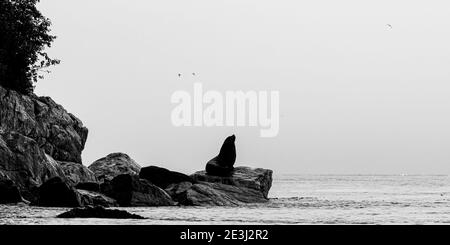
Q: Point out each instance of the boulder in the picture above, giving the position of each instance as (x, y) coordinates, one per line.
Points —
(245, 185)
(77, 173)
(257, 179)
(99, 213)
(58, 193)
(9, 193)
(113, 165)
(162, 177)
(131, 191)
(214, 194)
(90, 198)
(26, 164)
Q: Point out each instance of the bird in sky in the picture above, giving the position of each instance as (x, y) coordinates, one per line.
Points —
(179, 75)
(193, 74)
(390, 26)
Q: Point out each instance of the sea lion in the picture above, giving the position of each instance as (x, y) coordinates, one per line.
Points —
(222, 165)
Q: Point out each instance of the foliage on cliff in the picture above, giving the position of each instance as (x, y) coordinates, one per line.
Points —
(24, 35)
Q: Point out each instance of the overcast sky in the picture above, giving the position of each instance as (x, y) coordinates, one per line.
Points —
(356, 96)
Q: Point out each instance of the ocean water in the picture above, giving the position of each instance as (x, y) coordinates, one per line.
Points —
(294, 199)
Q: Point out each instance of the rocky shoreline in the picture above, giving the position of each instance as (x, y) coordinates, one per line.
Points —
(40, 164)
(154, 186)
(151, 186)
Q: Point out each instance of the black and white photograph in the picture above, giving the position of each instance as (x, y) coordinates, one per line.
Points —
(205, 113)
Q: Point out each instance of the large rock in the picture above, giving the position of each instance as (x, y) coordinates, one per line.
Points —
(24, 163)
(35, 133)
(77, 173)
(99, 213)
(245, 185)
(58, 193)
(162, 177)
(131, 191)
(115, 164)
(257, 179)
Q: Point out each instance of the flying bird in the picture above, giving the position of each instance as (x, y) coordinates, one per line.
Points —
(179, 75)
(193, 74)
(390, 26)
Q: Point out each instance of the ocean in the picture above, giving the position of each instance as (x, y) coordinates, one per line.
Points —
(294, 199)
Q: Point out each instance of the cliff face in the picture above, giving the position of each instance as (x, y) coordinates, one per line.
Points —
(35, 134)
(59, 133)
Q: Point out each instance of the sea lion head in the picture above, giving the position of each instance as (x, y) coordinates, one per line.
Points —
(227, 155)
(230, 139)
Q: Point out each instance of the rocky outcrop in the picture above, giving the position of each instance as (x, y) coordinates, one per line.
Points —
(113, 165)
(162, 177)
(245, 185)
(35, 133)
(40, 160)
(77, 173)
(99, 213)
(131, 191)
(60, 134)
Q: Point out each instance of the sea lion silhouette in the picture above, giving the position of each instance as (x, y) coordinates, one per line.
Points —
(222, 165)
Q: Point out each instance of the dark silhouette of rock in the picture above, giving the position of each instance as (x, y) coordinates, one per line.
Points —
(222, 165)
(35, 132)
(77, 173)
(245, 185)
(88, 186)
(113, 165)
(257, 179)
(9, 193)
(25, 163)
(58, 193)
(162, 177)
(131, 191)
(90, 198)
(98, 212)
